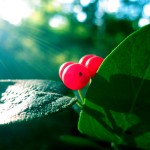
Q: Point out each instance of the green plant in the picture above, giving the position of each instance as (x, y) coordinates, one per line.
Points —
(115, 106)
(117, 102)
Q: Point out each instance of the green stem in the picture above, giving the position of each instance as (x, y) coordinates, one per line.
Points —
(79, 104)
(81, 96)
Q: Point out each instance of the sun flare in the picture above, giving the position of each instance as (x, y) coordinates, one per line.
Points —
(14, 11)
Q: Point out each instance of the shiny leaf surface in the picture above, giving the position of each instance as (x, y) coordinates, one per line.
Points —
(22, 100)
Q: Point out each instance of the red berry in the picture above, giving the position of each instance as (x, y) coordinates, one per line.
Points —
(93, 64)
(75, 76)
(62, 67)
(84, 59)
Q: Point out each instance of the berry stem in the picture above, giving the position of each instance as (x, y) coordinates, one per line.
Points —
(79, 104)
(81, 96)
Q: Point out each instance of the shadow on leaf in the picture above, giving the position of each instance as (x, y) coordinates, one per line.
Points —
(124, 101)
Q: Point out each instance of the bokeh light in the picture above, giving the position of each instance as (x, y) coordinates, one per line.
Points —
(14, 11)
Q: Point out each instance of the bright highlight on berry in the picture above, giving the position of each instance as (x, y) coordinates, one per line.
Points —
(84, 59)
(62, 67)
(75, 76)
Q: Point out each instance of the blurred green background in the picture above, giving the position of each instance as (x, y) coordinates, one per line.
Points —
(37, 36)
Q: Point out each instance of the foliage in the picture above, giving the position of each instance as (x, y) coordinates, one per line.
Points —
(115, 109)
(39, 49)
(117, 102)
(25, 100)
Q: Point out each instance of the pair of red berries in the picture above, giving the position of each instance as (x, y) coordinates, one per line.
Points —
(77, 75)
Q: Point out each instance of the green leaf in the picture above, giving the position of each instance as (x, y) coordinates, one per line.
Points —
(117, 104)
(23, 100)
(80, 142)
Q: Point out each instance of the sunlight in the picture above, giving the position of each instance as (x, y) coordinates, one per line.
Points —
(110, 6)
(58, 21)
(66, 1)
(14, 11)
(143, 21)
(85, 3)
(81, 16)
(146, 10)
